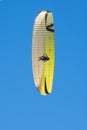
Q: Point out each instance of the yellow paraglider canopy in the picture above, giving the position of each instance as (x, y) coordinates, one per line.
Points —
(43, 52)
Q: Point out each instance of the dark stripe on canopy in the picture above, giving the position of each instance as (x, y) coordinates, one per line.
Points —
(45, 87)
(48, 27)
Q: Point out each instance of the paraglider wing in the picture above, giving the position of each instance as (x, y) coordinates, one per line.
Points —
(43, 52)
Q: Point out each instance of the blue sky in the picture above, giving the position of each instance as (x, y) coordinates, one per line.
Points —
(21, 106)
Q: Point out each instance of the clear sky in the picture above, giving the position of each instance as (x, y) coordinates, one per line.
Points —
(21, 106)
